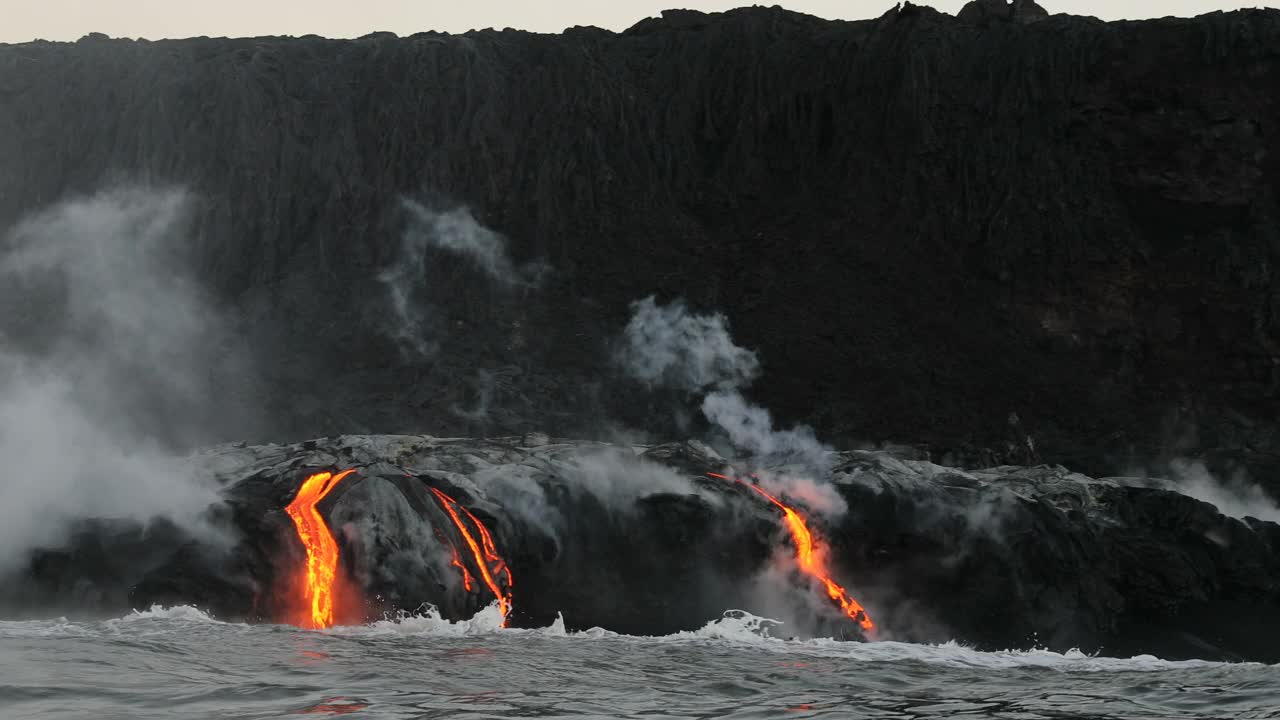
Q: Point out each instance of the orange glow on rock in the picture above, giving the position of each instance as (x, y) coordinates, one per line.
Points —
(488, 561)
(321, 573)
(810, 558)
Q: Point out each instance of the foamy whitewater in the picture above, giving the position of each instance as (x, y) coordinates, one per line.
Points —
(180, 663)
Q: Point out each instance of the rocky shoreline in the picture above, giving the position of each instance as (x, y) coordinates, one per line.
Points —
(641, 540)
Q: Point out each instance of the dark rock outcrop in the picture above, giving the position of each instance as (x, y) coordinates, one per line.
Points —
(641, 540)
(985, 12)
(922, 223)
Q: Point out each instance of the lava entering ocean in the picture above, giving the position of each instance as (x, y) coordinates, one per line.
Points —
(322, 550)
(811, 558)
(488, 561)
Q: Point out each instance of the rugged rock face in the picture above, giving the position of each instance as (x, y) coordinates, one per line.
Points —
(923, 224)
(985, 12)
(641, 540)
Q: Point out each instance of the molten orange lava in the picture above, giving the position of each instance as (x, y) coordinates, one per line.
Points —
(810, 558)
(486, 555)
(466, 574)
(322, 551)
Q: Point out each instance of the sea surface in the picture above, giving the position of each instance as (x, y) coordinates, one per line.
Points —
(179, 663)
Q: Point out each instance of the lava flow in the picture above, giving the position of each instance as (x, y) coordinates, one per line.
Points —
(322, 550)
(486, 555)
(467, 582)
(809, 557)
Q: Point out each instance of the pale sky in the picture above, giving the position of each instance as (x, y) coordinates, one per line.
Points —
(23, 20)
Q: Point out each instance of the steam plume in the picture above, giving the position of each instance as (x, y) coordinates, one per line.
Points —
(750, 428)
(1236, 497)
(616, 478)
(668, 346)
(672, 347)
(111, 363)
(817, 496)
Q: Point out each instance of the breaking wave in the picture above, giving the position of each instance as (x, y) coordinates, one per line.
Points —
(736, 628)
(741, 628)
(162, 661)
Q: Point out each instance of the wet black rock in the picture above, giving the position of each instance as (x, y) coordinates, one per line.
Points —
(641, 540)
(923, 223)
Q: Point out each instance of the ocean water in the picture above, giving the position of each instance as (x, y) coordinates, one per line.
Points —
(179, 663)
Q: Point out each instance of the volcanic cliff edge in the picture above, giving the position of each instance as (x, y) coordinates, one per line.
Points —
(925, 225)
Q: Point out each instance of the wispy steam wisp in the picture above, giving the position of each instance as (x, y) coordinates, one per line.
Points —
(455, 232)
(458, 232)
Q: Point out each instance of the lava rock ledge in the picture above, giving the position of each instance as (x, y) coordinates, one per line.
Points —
(641, 540)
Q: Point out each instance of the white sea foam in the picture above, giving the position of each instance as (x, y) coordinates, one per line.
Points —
(739, 628)
(429, 623)
(158, 612)
(736, 629)
(166, 661)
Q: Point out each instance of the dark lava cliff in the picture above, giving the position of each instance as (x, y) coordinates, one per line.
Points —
(925, 226)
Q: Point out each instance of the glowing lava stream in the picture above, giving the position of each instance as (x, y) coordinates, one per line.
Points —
(809, 558)
(466, 574)
(484, 552)
(322, 549)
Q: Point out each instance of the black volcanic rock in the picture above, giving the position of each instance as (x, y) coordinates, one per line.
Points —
(640, 540)
(985, 12)
(922, 223)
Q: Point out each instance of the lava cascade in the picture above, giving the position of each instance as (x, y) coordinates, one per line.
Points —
(810, 557)
(485, 552)
(317, 581)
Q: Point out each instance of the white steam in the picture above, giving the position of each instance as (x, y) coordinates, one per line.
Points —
(618, 477)
(816, 496)
(615, 477)
(671, 347)
(668, 346)
(108, 359)
(750, 429)
(455, 232)
(1236, 497)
